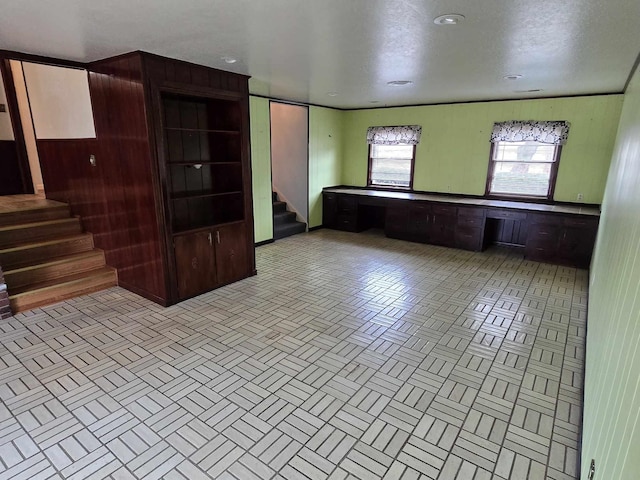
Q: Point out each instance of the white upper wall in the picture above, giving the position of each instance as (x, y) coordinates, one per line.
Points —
(60, 101)
(6, 129)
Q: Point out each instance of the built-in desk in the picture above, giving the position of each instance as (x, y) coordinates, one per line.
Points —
(563, 234)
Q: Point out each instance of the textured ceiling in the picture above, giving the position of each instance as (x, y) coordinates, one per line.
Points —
(301, 50)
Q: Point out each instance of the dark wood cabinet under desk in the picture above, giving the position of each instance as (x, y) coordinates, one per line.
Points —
(562, 235)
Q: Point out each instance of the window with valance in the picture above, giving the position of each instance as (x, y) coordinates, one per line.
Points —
(392, 151)
(524, 158)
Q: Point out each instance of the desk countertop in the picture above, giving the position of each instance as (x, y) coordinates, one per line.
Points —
(479, 202)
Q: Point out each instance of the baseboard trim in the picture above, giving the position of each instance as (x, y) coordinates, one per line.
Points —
(264, 242)
(143, 293)
(318, 227)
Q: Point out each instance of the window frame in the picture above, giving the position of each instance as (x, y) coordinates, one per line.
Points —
(413, 164)
(510, 196)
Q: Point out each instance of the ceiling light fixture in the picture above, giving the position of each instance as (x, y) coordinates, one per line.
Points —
(374, 101)
(515, 76)
(449, 19)
(399, 83)
(333, 94)
(228, 59)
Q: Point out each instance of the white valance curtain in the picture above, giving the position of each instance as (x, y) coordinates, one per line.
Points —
(554, 133)
(398, 135)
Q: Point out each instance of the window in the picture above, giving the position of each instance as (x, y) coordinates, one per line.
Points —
(391, 165)
(524, 158)
(392, 153)
(525, 169)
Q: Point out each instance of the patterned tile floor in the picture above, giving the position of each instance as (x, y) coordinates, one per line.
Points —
(348, 356)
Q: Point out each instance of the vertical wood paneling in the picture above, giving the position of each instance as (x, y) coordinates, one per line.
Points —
(325, 155)
(612, 383)
(261, 169)
(133, 241)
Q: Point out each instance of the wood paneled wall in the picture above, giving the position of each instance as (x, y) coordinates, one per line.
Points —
(134, 237)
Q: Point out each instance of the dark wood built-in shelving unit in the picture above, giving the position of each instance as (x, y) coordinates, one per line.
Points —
(169, 199)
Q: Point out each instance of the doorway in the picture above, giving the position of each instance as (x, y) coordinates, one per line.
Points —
(15, 174)
(290, 156)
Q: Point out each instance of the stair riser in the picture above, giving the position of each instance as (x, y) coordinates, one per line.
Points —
(40, 232)
(30, 300)
(279, 207)
(32, 216)
(31, 256)
(284, 219)
(43, 273)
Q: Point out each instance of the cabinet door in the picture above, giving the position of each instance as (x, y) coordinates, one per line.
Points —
(419, 218)
(576, 243)
(231, 253)
(329, 210)
(443, 224)
(396, 220)
(195, 263)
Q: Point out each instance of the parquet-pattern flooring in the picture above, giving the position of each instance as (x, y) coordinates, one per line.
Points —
(348, 356)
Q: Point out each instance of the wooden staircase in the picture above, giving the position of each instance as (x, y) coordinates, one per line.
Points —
(45, 255)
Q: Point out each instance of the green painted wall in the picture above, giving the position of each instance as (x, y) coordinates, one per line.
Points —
(612, 384)
(261, 168)
(453, 155)
(325, 156)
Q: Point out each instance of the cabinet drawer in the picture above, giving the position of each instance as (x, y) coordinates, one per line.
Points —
(346, 222)
(443, 209)
(540, 219)
(544, 233)
(508, 214)
(578, 222)
(471, 212)
(347, 204)
(470, 221)
(468, 238)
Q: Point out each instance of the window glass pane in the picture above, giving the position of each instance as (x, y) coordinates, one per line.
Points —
(392, 151)
(521, 178)
(391, 165)
(524, 152)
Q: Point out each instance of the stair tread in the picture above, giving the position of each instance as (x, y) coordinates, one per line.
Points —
(57, 260)
(42, 243)
(19, 226)
(61, 281)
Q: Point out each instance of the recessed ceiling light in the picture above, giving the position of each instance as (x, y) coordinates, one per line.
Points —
(333, 94)
(399, 83)
(448, 19)
(228, 59)
(516, 76)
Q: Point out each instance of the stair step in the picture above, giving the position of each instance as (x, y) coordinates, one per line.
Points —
(52, 291)
(33, 215)
(14, 235)
(274, 197)
(279, 207)
(284, 218)
(282, 231)
(36, 252)
(54, 268)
